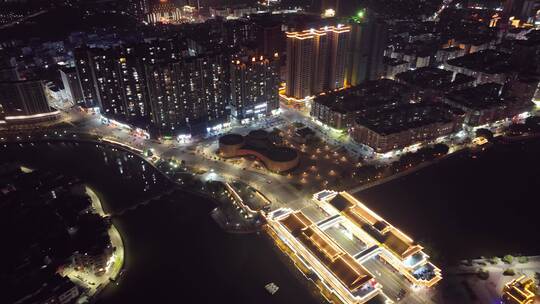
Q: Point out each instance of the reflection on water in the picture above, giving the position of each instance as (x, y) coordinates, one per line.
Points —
(124, 177)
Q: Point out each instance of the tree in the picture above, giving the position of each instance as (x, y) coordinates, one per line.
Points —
(509, 272)
(485, 133)
(533, 123)
(298, 124)
(508, 259)
(517, 129)
(523, 259)
(440, 149)
(494, 260)
(367, 171)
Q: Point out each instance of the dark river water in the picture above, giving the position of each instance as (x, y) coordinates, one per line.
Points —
(175, 252)
(466, 207)
(461, 207)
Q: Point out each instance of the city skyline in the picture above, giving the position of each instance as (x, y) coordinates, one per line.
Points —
(289, 151)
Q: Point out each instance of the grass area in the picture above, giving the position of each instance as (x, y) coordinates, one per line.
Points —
(117, 265)
(118, 262)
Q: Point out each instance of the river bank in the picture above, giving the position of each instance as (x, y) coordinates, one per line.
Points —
(174, 251)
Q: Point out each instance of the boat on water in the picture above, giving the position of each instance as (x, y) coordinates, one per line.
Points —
(272, 288)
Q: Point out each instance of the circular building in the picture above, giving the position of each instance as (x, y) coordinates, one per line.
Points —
(258, 135)
(229, 144)
(258, 144)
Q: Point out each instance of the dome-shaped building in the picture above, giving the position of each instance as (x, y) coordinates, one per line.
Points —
(258, 144)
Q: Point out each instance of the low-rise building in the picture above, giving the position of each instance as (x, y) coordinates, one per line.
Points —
(445, 54)
(396, 248)
(337, 274)
(258, 144)
(339, 109)
(418, 55)
(430, 84)
(404, 126)
(485, 66)
(340, 248)
(96, 258)
(93, 248)
(486, 104)
(56, 290)
(475, 43)
(393, 66)
(519, 291)
(524, 87)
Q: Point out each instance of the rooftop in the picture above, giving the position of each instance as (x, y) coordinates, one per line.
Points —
(481, 97)
(405, 117)
(311, 33)
(393, 61)
(260, 142)
(487, 61)
(380, 237)
(231, 139)
(376, 93)
(349, 272)
(397, 242)
(433, 78)
(520, 290)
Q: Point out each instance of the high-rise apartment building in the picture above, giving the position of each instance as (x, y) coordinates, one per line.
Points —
(100, 79)
(191, 92)
(301, 50)
(269, 37)
(132, 82)
(316, 61)
(113, 80)
(369, 37)
(339, 49)
(254, 86)
(84, 69)
(72, 85)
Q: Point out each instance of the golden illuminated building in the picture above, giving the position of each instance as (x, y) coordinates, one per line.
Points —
(341, 264)
(494, 20)
(344, 275)
(519, 291)
(336, 273)
(165, 12)
(316, 61)
(398, 249)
